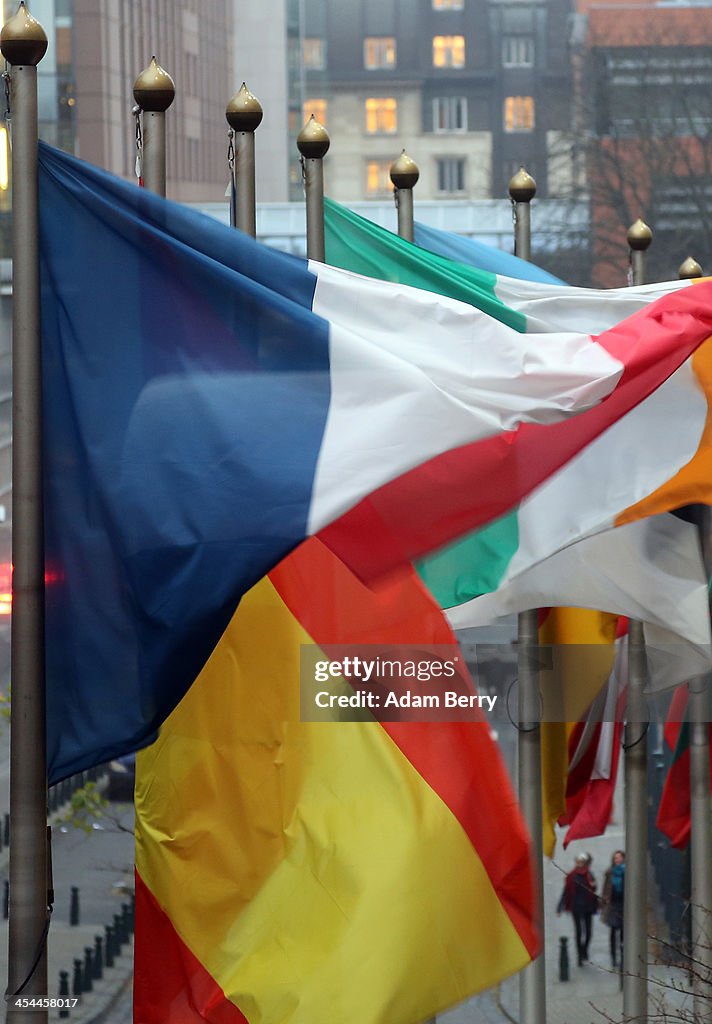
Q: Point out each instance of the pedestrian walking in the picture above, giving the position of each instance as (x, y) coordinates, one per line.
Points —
(580, 900)
(612, 897)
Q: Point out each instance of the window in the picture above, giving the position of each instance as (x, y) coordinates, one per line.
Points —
(314, 53)
(378, 177)
(379, 52)
(315, 107)
(448, 5)
(448, 51)
(519, 114)
(517, 51)
(450, 114)
(381, 115)
(451, 175)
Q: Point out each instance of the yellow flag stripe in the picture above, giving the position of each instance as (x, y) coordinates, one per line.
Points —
(296, 855)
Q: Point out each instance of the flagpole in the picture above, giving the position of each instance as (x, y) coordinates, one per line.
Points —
(700, 838)
(522, 189)
(404, 175)
(244, 114)
(532, 980)
(23, 43)
(313, 144)
(154, 90)
(635, 946)
(700, 797)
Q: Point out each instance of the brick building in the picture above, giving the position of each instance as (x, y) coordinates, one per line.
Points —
(646, 74)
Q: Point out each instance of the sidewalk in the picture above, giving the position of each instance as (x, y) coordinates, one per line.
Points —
(68, 943)
(101, 865)
(593, 994)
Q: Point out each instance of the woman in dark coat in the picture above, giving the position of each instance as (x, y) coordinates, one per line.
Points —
(612, 905)
(579, 899)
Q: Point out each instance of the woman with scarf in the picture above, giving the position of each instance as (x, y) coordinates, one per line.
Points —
(612, 905)
(579, 899)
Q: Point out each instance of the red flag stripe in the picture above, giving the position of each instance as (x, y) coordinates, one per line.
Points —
(170, 983)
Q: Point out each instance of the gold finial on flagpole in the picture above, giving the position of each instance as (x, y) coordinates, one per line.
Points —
(313, 140)
(522, 187)
(404, 171)
(154, 90)
(639, 236)
(23, 41)
(689, 269)
(244, 111)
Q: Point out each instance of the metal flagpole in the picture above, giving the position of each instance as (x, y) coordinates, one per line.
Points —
(404, 175)
(154, 90)
(522, 189)
(635, 946)
(700, 797)
(700, 841)
(23, 44)
(313, 144)
(244, 114)
(532, 980)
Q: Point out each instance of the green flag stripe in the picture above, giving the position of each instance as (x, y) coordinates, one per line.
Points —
(476, 563)
(473, 565)
(354, 243)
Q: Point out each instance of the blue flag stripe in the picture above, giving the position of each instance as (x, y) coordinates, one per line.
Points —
(164, 502)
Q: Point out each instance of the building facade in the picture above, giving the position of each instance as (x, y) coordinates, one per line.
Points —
(645, 82)
(472, 89)
(96, 50)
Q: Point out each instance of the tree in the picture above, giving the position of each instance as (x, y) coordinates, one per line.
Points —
(641, 141)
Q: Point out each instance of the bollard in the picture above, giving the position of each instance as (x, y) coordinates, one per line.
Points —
(74, 906)
(564, 959)
(126, 921)
(6, 831)
(63, 993)
(109, 946)
(77, 980)
(118, 935)
(6, 901)
(88, 975)
(98, 958)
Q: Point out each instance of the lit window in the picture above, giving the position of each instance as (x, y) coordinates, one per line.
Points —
(315, 107)
(381, 115)
(451, 175)
(448, 5)
(379, 52)
(449, 114)
(314, 54)
(449, 51)
(519, 114)
(378, 177)
(517, 51)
